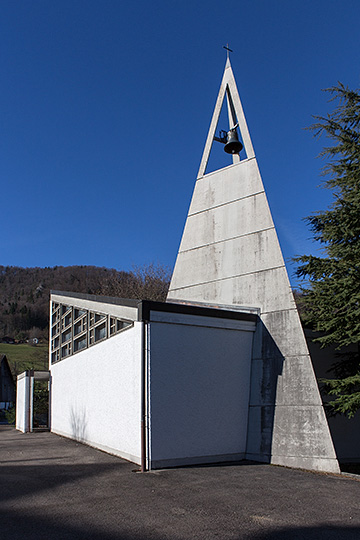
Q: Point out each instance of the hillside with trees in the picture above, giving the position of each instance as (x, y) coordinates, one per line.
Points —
(24, 292)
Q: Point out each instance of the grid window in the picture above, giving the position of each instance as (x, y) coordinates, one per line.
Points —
(66, 336)
(80, 326)
(79, 312)
(55, 329)
(92, 337)
(80, 343)
(74, 329)
(112, 326)
(66, 350)
(100, 332)
(67, 320)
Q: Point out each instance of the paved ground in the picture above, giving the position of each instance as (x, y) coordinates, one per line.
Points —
(54, 488)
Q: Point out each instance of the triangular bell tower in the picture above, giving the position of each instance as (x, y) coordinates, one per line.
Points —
(230, 255)
(235, 115)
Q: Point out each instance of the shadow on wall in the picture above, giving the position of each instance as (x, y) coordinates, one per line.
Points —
(345, 431)
(266, 368)
(78, 425)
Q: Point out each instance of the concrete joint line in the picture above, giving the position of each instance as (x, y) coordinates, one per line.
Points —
(226, 203)
(205, 176)
(230, 277)
(228, 240)
(278, 311)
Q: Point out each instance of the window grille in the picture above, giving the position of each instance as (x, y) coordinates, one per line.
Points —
(74, 329)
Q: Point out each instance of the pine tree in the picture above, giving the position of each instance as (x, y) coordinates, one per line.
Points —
(331, 295)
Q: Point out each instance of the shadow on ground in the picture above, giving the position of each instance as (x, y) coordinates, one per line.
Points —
(311, 533)
(54, 488)
(29, 527)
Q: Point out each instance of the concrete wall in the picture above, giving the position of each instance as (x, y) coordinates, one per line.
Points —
(23, 403)
(95, 395)
(199, 379)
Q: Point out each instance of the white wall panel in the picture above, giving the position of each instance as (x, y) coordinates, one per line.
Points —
(23, 403)
(199, 393)
(95, 395)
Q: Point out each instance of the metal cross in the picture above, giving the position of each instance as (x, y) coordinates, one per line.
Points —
(228, 50)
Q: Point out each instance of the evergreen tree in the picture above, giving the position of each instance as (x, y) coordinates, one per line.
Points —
(331, 295)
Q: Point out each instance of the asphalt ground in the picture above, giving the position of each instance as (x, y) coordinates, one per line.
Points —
(55, 488)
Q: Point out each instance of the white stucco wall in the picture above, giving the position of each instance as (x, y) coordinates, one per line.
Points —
(95, 395)
(199, 379)
(22, 403)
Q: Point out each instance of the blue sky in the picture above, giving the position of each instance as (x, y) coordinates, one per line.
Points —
(105, 107)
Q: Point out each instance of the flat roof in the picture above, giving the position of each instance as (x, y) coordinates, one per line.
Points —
(141, 309)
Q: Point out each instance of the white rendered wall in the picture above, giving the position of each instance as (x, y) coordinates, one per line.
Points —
(23, 403)
(199, 379)
(95, 395)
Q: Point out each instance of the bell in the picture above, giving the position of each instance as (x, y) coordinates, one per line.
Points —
(233, 145)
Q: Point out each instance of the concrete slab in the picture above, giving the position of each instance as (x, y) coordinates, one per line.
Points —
(55, 488)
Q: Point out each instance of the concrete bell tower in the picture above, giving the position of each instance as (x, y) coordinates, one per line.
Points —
(230, 255)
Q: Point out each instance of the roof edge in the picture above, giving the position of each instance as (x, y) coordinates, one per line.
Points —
(129, 302)
(145, 307)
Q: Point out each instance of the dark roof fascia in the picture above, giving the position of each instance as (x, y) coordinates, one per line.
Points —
(147, 306)
(128, 302)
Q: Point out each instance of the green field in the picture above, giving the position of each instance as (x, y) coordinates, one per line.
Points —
(22, 357)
